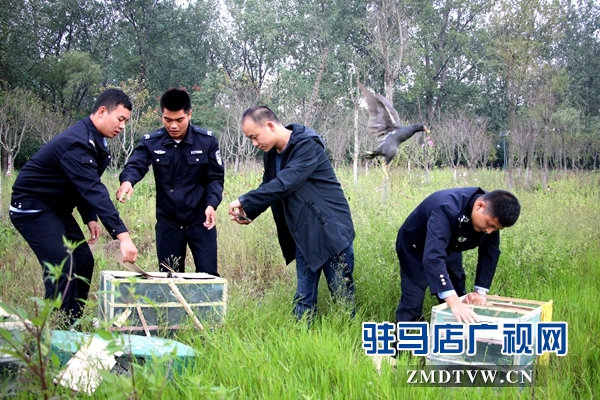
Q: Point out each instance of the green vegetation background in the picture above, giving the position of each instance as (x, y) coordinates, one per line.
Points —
(552, 253)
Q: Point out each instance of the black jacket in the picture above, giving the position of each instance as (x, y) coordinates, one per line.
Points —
(65, 173)
(441, 225)
(188, 175)
(306, 199)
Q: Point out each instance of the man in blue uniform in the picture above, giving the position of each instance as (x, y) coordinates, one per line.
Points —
(313, 220)
(64, 174)
(431, 240)
(189, 175)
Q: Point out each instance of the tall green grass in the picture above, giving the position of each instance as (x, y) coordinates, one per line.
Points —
(262, 353)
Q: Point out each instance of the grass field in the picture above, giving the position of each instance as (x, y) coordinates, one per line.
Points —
(553, 252)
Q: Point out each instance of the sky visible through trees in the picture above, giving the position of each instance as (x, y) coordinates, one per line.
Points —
(467, 69)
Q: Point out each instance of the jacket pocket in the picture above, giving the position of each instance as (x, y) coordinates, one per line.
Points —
(316, 211)
(160, 160)
(197, 159)
(89, 161)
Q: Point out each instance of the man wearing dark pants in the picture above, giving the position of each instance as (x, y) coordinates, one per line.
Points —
(312, 215)
(431, 240)
(64, 174)
(189, 176)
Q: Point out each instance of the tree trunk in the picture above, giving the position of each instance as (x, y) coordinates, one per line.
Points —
(236, 163)
(545, 160)
(356, 146)
(9, 163)
(3, 157)
(310, 115)
(512, 118)
(564, 154)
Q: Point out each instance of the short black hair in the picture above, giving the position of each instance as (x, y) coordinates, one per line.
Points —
(260, 114)
(110, 99)
(504, 206)
(175, 100)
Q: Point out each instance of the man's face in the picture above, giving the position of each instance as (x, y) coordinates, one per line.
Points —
(482, 220)
(261, 135)
(113, 122)
(176, 123)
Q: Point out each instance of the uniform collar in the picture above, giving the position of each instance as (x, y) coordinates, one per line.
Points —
(465, 216)
(94, 137)
(187, 139)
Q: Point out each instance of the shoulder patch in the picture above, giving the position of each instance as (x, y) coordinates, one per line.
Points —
(152, 135)
(202, 130)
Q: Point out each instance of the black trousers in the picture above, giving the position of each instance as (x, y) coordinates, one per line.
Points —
(44, 232)
(413, 282)
(171, 242)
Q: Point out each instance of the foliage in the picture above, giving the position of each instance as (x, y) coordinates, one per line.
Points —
(261, 352)
(490, 60)
(29, 339)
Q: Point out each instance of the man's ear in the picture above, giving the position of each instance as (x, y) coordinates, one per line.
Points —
(479, 205)
(102, 111)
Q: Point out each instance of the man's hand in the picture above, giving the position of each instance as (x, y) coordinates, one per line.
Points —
(461, 312)
(211, 218)
(475, 298)
(124, 189)
(94, 232)
(128, 249)
(237, 213)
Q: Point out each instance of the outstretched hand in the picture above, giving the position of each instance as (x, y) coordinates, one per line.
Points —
(94, 232)
(475, 299)
(128, 249)
(211, 217)
(460, 310)
(237, 213)
(125, 189)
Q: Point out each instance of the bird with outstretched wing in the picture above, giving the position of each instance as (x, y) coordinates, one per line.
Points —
(384, 121)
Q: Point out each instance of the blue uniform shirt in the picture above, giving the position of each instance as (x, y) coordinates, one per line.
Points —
(65, 173)
(189, 175)
(439, 226)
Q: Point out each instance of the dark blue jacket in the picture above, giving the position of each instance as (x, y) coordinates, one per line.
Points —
(188, 175)
(307, 201)
(439, 226)
(65, 173)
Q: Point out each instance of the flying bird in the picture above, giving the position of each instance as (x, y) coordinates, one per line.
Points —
(384, 121)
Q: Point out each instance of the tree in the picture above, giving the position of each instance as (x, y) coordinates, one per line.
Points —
(17, 47)
(143, 120)
(549, 84)
(164, 43)
(578, 50)
(389, 27)
(51, 123)
(70, 81)
(566, 123)
(450, 136)
(521, 33)
(19, 111)
(447, 52)
(70, 40)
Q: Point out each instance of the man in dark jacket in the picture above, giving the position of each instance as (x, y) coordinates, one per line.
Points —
(431, 240)
(189, 174)
(64, 174)
(313, 220)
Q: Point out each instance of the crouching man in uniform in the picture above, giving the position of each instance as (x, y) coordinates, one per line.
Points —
(431, 240)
